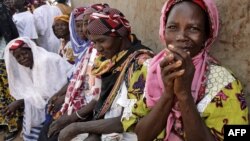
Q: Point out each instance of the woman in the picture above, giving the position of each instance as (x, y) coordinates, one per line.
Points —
(81, 93)
(61, 30)
(34, 76)
(78, 39)
(120, 64)
(190, 95)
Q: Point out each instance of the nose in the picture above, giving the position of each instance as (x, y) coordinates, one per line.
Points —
(98, 47)
(180, 36)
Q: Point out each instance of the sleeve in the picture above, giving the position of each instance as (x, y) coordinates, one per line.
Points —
(136, 82)
(226, 108)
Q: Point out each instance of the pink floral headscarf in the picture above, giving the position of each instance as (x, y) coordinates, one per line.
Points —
(154, 84)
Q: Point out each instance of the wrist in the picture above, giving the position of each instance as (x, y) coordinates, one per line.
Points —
(168, 96)
(184, 96)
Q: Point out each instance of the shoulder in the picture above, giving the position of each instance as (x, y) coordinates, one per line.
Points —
(219, 75)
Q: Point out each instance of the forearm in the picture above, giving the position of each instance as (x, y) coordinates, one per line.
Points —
(102, 126)
(84, 111)
(194, 127)
(148, 124)
(20, 102)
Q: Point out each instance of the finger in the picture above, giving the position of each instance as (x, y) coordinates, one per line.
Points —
(176, 74)
(171, 68)
(183, 54)
(167, 60)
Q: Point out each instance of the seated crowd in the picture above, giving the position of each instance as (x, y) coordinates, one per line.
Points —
(81, 74)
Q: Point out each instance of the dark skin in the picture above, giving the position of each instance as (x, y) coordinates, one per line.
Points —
(24, 57)
(95, 128)
(11, 109)
(185, 35)
(85, 24)
(79, 30)
(65, 119)
(61, 30)
(57, 100)
(108, 47)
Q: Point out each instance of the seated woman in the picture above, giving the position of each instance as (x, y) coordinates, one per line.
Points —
(34, 75)
(189, 94)
(83, 89)
(61, 30)
(120, 65)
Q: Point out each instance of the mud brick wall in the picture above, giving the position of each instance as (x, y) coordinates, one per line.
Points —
(232, 48)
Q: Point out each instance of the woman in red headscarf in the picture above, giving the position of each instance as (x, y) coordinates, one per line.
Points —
(120, 65)
(191, 97)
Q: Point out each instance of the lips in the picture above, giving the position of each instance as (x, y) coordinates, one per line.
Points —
(185, 48)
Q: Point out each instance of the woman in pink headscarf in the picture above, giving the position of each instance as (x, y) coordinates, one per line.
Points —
(190, 96)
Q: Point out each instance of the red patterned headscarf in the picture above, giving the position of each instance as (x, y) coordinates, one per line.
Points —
(109, 22)
(95, 8)
(78, 13)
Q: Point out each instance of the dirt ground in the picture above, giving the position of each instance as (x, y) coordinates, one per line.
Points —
(18, 138)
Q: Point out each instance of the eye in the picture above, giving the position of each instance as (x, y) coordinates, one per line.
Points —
(171, 27)
(85, 23)
(194, 29)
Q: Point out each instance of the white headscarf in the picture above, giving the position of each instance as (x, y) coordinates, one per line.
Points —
(36, 85)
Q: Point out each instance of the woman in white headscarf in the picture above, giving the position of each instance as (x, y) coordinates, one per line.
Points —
(34, 76)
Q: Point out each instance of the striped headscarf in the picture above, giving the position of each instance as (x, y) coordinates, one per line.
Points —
(109, 22)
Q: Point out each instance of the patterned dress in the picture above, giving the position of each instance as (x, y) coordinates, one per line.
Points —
(6, 99)
(222, 103)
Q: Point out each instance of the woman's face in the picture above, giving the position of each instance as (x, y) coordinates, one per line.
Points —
(24, 56)
(106, 45)
(79, 29)
(61, 29)
(85, 24)
(185, 27)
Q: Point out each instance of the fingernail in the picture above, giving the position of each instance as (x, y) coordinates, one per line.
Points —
(179, 62)
(188, 53)
(170, 56)
(181, 71)
(166, 52)
(171, 46)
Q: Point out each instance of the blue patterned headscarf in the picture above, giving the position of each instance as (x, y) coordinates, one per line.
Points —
(79, 45)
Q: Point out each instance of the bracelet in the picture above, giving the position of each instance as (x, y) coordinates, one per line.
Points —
(79, 116)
